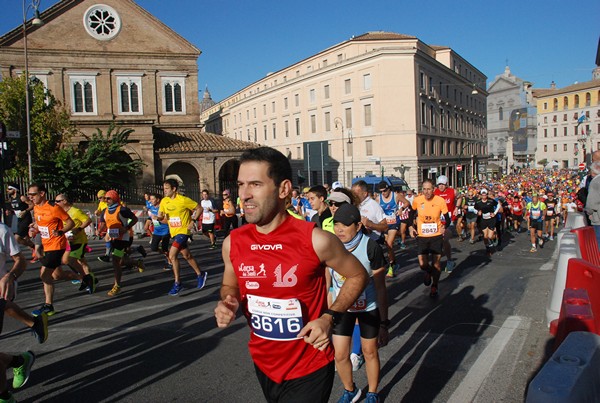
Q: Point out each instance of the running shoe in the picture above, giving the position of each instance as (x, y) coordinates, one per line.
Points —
(40, 327)
(168, 267)
(213, 246)
(434, 292)
(541, 243)
(92, 284)
(141, 250)
(21, 374)
(140, 265)
(427, 279)
(472, 241)
(76, 282)
(390, 270)
(114, 291)
(372, 397)
(176, 289)
(551, 238)
(402, 246)
(11, 399)
(87, 280)
(350, 396)
(104, 258)
(357, 361)
(48, 309)
(533, 249)
(450, 265)
(202, 280)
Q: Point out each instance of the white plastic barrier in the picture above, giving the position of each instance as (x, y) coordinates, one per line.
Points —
(575, 220)
(568, 249)
(571, 375)
(138, 228)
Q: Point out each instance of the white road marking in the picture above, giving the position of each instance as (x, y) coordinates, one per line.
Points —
(468, 388)
(549, 265)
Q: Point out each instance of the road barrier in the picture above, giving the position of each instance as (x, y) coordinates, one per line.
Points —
(575, 315)
(571, 375)
(568, 249)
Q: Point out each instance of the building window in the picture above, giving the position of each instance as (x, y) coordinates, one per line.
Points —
(130, 94)
(297, 126)
(285, 103)
(326, 92)
(327, 121)
(297, 99)
(347, 86)
(555, 147)
(423, 114)
(265, 130)
(588, 99)
(423, 147)
(432, 147)
(312, 96)
(442, 119)
(564, 147)
(264, 109)
(545, 148)
(555, 132)
(367, 82)
(500, 114)
(325, 65)
(576, 103)
(348, 118)
(254, 113)
(555, 103)
(565, 117)
(369, 147)
(313, 124)
(566, 102)
(367, 112)
(174, 95)
(274, 131)
(83, 95)
(422, 80)
(287, 128)
(432, 116)
(102, 22)
(565, 131)
(255, 135)
(299, 153)
(273, 107)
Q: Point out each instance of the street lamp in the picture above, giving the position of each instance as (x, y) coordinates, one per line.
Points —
(339, 121)
(36, 21)
(351, 151)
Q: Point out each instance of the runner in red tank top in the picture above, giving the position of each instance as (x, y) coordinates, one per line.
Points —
(275, 270)
(452, 200)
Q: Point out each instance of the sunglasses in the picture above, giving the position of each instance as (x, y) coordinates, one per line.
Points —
(59, 200)
(334, 203)
(32, 194)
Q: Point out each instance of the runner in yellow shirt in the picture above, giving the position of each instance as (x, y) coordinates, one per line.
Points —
(177, 210)
(430, 231)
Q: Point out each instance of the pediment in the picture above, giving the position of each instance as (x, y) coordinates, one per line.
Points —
(64, 31)
(502, 84)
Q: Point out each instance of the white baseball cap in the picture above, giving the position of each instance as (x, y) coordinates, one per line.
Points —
(336, 185)
(442, 179)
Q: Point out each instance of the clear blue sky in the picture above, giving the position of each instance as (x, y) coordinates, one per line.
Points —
(243, 40)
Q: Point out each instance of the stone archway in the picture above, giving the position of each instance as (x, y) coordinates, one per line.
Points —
(187, 176)
(228, 177)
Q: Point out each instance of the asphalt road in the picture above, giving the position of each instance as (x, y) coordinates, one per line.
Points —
(482, 340)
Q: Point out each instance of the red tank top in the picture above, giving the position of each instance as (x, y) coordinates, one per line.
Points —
(516, 208)
(449, 195)
(276, 272)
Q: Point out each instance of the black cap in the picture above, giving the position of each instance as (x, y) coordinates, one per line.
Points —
(347, 214)
(383, 185)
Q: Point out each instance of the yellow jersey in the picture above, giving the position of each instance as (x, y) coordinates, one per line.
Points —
(178, 213)
(79, 217)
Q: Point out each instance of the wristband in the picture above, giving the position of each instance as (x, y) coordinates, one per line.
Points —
(337, 316)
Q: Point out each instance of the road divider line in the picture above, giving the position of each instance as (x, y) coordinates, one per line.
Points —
(468, 388)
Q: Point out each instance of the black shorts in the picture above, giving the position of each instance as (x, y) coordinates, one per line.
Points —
(162, 240)
(77, 250)
(430, 245)
(52, 259)
(537, 225)
(489, 223)
(517, 218)
(208, 227)
(368, 322)
(119, 247)
(23, 227)
(551, 217)
(314, 387)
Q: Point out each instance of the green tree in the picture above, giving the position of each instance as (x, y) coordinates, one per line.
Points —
(98, 162)
(50, 121)
(543, 162)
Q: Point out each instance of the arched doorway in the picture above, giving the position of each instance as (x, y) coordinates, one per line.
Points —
(188, 178)
(228, 177)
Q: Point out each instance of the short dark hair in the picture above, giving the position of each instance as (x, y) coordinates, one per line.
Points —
(172, 182)
(429, 181)
(156, 196)
(40, 187)
(362, 185)
(383, 185)
(280, 168)
(319, 190)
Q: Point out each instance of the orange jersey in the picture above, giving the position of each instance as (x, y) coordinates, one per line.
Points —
(429, 213)
(49, 219)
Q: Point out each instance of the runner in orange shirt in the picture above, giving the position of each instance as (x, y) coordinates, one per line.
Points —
(48, 220)
(430, 232)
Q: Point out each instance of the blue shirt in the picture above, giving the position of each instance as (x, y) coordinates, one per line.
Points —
(160, 229)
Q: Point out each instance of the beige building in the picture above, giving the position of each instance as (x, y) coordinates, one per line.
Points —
(379, 102)
(568, 122)
(113, 61)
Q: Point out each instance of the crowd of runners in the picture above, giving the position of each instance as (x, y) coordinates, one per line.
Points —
(323, 252)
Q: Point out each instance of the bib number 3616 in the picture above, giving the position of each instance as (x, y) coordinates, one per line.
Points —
(275, 319)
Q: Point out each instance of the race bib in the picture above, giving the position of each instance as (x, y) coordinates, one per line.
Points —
(535, 214)
(486, 216)
(156, 223)
(174, 222)
(275, 319)
(471, 209)
(44, 232)
(113, 233)
(429, 228)
(390, 219)
(549, 212)
(516, 209)
(360, 304)
(207, 217)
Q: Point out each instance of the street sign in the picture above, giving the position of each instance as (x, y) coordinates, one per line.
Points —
(582, 166)
(13, 134)
(432, 170)
(459, 168)
(481, 169)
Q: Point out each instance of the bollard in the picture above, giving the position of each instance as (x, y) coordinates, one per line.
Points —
(567, 250)
(571, 374)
